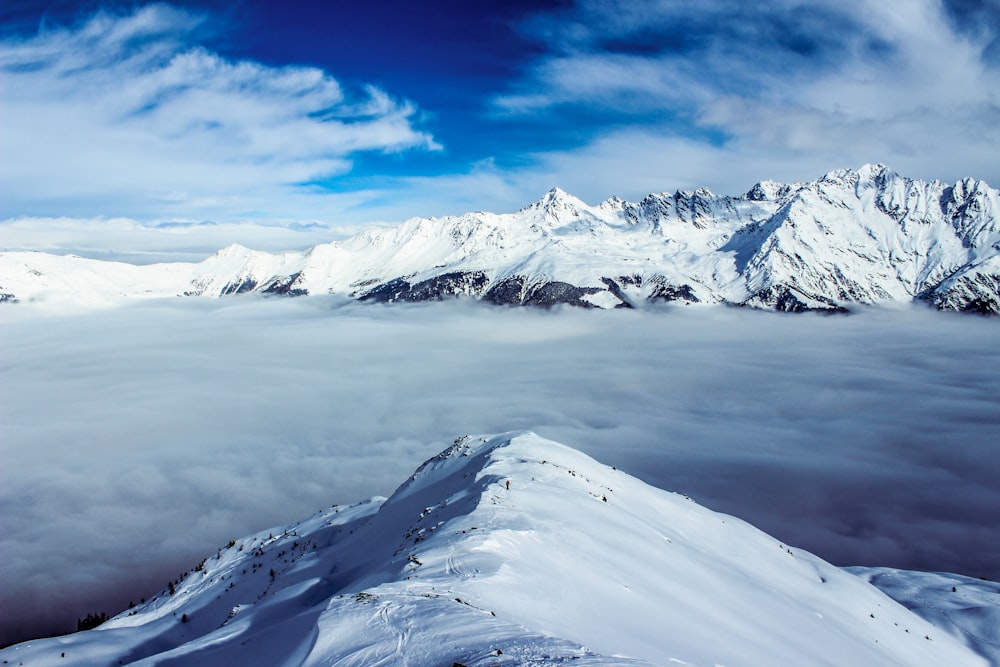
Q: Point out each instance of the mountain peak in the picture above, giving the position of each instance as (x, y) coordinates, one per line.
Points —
(557, 200)
(767, 190)
(869, 170)
(691, 246)
(865, 173)
(513, 549)
(233, 250)
(466, 452)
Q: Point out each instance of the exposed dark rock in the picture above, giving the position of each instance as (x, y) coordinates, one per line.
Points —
(556, 292)
(368, 282)
(664, 291)
(787, 302)
(981, 307)
(785, 299)
(506, 292)
(634, 280)
(793, 238)
(449, 284)
(661, 290)
(517, 291)
(432, 289)
(974, 292)
(394, 290)
(240, 286)
(616, 289)
(285, 286)
(757, 193)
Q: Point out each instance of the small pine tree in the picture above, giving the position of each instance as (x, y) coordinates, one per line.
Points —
(90, 621)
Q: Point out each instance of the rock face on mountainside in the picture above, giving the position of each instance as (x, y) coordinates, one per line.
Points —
(851, 237)
(512, 550)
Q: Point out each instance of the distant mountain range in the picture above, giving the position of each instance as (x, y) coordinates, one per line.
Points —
(515, 550)
(865, 236)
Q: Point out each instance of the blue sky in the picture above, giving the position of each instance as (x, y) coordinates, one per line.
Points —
(344, 113)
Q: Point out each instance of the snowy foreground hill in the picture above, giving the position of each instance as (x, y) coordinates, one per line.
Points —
(573, 563)
(851, 237)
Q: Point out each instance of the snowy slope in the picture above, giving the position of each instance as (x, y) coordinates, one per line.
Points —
(967, 608)
(866, 236)
(575, 562)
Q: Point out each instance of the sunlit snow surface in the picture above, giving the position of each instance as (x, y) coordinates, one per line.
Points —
(967, 608)
(513, 550)
(168, 428)
(851, 237)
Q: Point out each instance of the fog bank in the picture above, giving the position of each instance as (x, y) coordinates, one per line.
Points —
(135, 441)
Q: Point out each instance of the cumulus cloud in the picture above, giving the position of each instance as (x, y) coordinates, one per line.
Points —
(133, 115)
(813, 85)
(628, 162)
(181, 424)
(665, 95)
(133, 112)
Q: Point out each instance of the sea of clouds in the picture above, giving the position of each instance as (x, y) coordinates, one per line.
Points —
(137, 440)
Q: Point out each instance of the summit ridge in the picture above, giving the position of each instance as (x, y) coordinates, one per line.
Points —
(852, 237)
(512, 549)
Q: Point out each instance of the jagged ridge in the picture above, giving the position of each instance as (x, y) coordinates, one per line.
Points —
(512, 550)
(863, 236)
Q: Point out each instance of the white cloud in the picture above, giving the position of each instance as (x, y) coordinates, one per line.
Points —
(630, 163)
(622, 83)
(671, 95)
(129, 240)
(129, 116)
(130, 113)
(810, 86)
(178, 425)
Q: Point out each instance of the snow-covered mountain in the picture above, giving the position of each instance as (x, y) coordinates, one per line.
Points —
(513, 550)
(852, 237)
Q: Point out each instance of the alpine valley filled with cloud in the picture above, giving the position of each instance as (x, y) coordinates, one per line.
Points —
(524, 333)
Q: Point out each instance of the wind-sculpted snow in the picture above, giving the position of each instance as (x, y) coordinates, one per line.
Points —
(851, 237)
(511, 550)
(967, 608)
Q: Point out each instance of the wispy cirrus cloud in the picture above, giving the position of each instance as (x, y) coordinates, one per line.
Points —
(658, 95)
(808, 86)
(133, 115)
(131, 112)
